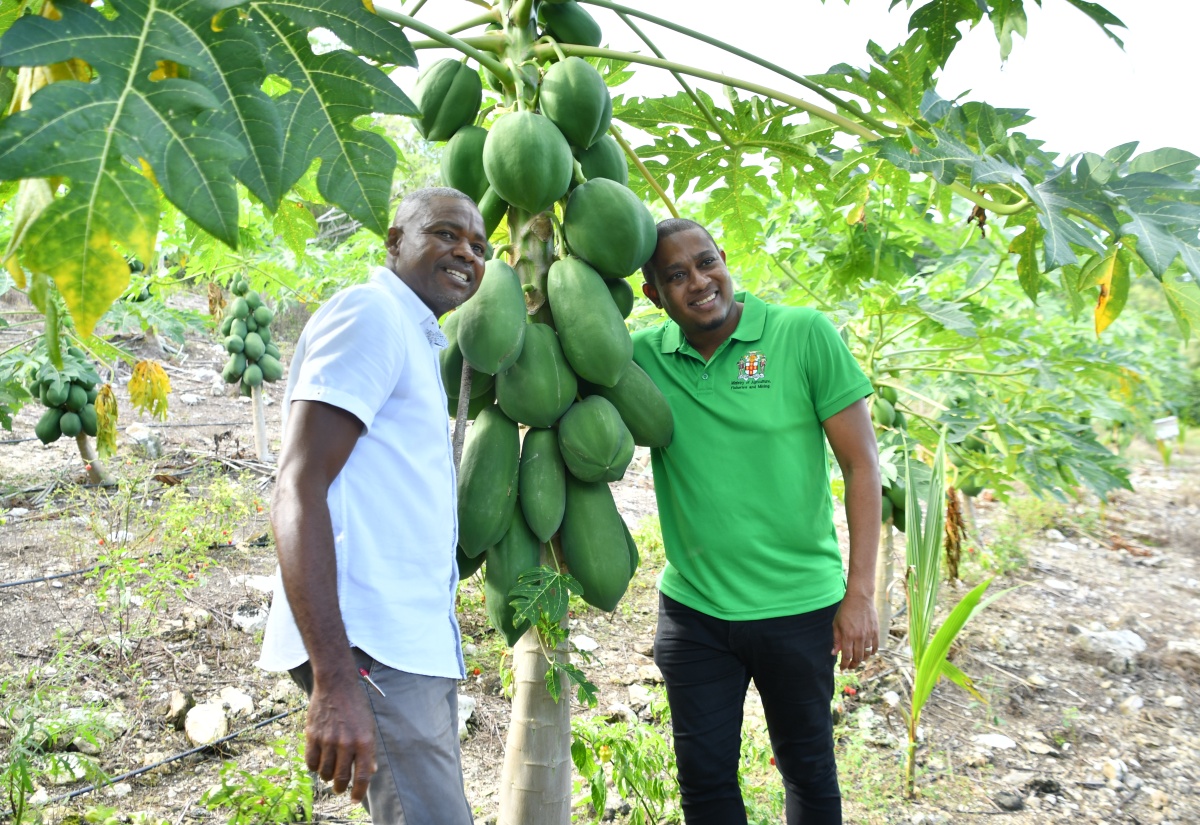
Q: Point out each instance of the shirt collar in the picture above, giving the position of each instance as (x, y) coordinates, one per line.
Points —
(413, 306)
(749, 328)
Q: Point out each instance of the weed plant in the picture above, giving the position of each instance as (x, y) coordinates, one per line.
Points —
(281, 793)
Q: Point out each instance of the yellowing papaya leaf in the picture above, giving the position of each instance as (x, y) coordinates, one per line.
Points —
(1098, 269)
(148, 388)
(106, 422)
(1025, 245)
(34, 195)
(1114, 292)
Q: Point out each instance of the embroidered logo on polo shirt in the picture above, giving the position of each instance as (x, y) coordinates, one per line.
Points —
(752, 372)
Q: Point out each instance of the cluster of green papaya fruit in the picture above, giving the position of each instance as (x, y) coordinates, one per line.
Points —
(886, 416)
(69, 395)
(560, 363)
(246, 330)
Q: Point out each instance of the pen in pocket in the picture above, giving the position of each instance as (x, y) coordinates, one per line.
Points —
(362, 671)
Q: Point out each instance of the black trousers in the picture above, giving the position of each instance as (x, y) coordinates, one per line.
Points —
(708, 664)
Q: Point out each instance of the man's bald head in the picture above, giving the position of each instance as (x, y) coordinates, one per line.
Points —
(420, 199)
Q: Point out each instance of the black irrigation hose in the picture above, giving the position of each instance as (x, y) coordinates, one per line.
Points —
(261, 541)
(130, 774)
(153, 426)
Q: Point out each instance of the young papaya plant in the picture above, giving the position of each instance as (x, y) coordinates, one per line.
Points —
(924, 536)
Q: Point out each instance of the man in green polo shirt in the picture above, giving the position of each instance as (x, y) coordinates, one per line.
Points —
(753, 588)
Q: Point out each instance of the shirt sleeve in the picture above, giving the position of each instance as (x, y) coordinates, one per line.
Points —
(354, 354)
(835, 379)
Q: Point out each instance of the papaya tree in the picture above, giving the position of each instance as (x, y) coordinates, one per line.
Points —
(112, 107)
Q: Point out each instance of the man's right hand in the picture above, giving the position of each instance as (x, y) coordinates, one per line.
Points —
(339, 736)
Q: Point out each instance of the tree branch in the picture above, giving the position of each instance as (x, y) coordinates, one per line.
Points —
(641, 167)
(450, 41)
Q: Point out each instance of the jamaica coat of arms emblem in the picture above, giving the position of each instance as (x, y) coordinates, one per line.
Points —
(752, 367)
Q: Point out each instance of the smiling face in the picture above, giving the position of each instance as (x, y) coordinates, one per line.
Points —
(690, 281)
(437, 249)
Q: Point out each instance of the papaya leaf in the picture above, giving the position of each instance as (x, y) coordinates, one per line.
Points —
(1155, 244)
(942, 161)
(1025, 246)
(939, 19)
(328, 92)
(1175, 162)
(1102, 18)
(890, 90)
(1008, 18)
(1114, 292)
(542, 592)
(1183, 297)
(296, 225)
(949, 314)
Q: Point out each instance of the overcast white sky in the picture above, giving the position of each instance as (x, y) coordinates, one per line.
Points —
(1086, 93)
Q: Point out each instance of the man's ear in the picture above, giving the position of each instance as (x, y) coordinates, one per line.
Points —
(651, 293)
(721, 252)
(393, 240)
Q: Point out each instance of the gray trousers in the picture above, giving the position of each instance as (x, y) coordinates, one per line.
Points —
(418, 780)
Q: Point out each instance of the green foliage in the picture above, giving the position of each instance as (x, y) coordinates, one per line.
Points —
(636, 758)
(148, 554)
(281, 793)
(541, 597)
(178, 87)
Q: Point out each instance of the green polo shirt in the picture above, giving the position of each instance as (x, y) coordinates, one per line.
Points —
(743, 490)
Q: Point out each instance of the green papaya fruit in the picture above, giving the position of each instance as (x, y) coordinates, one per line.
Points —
(642, 406)
(886, 509)
(76, 397)
(493, 208)
(607, 226)
(253, 375)
(590, 328)
(517, 552)
(227, 324)
(542, 483)
(976, 443)
(254, 346)
(593, 543)
(87, 417)
(93, 394)
(239, 309)
(539, 387)
(575, 98)
(451, 361)
(251, 324)
(899, 422)
(604, 159)
(263, 316)
(595, 443)
(466, 565)
(239, 328)
(634, 558)
(491, 326)
(272, 350)
(474, 405)
(487, 481)
(897, 494)
(233, 344)
(264, 332)
(882, 412)
(272, 369)
(528, 161)
(889, 394)
(898, 519)
(449, 94)
(56, 393)
(47, 429)
(970, 487)
(462, 162)
(622, 295)
(569, 23)
(70, 424)
(245, 390)
(253, 302)
(234, 367)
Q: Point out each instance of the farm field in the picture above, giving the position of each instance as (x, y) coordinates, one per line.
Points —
(1071, 731)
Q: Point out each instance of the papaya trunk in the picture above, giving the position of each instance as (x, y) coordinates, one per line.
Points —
(460, 418)
(535, 785)
(97, 473)
(885, 572)
(262, 447)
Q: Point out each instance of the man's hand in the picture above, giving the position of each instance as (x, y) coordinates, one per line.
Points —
(855, 630)
(339, 737)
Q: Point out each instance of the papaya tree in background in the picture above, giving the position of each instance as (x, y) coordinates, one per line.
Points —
(113, 106)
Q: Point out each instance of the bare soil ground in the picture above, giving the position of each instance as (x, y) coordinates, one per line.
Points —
(1067, 734)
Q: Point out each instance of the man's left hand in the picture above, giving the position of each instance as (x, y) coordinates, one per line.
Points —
(855, 630)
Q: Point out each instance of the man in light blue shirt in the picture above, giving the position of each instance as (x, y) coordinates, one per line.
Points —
(365, 524)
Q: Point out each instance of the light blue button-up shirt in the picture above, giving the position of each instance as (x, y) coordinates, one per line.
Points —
(372, 351)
